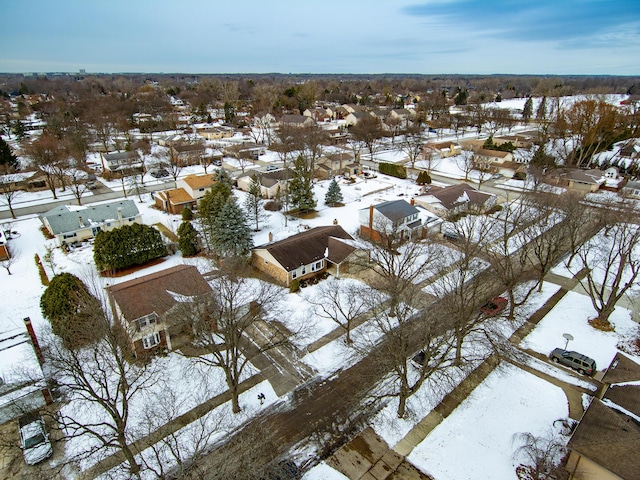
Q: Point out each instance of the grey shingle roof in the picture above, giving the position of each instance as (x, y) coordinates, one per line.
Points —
(396, 209)
(310, 246)
(63, 219)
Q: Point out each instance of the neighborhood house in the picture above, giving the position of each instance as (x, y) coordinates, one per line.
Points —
(145, 305)
(306, 254)
(75, 223)
(188, 191)
(396, 217)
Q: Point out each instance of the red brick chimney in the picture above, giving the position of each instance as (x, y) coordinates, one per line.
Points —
(34, 340)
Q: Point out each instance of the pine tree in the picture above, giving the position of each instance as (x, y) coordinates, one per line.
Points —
(230, 234)
(253, 203)
(334, 195)
(8, 161)
(541, 112)
(527, 111)
(187, 239)
(423, 178)
(212, 202)
(301, 188)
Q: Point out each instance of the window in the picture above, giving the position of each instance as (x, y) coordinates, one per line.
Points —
(151, 341)
(316, 266)
(69, 235)
(304, 269)
(147, 320)
(294, 273)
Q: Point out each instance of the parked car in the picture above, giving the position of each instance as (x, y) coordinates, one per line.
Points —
(579, 362)
(34, 439)
(92, 185)
(494, 307)
(159, 173)
(271, 168)
(418, 359)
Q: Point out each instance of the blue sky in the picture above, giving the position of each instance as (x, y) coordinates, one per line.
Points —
(332, 36)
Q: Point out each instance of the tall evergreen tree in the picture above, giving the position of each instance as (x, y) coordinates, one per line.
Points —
(301, 187)
(253, 203)
(230, 234)
(8, 161)
(187, 239)
(334, 195)
(527, 111)
(211, 204)
(541, 112)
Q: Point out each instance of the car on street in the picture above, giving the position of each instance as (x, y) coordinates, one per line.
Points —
(581, 363)
(271, 168)
(161, 173)
(34, 439)
(494, 307)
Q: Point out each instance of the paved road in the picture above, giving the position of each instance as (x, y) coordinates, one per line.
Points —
(99, 195)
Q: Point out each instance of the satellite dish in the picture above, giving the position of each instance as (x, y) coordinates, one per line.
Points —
(567, 336)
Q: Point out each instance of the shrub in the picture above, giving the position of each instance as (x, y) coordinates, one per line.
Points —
(423, 178)
(273, 206)
(127, 246)
(294, 286)
(398, 171)
(520, 176)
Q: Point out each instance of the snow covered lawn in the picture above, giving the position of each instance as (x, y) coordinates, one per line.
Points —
(475, 441)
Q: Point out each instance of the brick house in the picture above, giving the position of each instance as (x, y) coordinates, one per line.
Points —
(305, 254)
(144, 306)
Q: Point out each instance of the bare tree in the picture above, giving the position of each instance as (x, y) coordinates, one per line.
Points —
(612, 263)
(10, 190)
(540, 458)
(13, 255)
(412, 144)
(78, 183)
(100, 384)
(465, 162)
(50, 157)
(457, 282)
(368, 132)
(223, 322)
(341, 301)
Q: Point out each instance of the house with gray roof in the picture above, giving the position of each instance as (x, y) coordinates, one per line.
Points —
(270, 182)
(397, 217)
(119, 161)
(75, 223)
(306, 254)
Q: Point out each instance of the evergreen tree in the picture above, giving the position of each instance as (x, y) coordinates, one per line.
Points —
(527, 111)
(423, 178)
(541, 112)
(301, 187)
(230, 234)
(71, 309)
(8, 161)
(19, 130)
(334, 195)
(253, 203)
(212, 202)
(187, 239)
(187, 214)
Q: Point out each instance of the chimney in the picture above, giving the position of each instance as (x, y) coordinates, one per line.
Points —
(34, 340)
(270, 237)
(335, 221)
(119, 213)
(80, 221)
(371, 220)
(412, 201)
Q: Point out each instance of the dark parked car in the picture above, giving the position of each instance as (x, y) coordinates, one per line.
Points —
(495, 306)
(583, 364)
(159, 173)
(418, 359)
